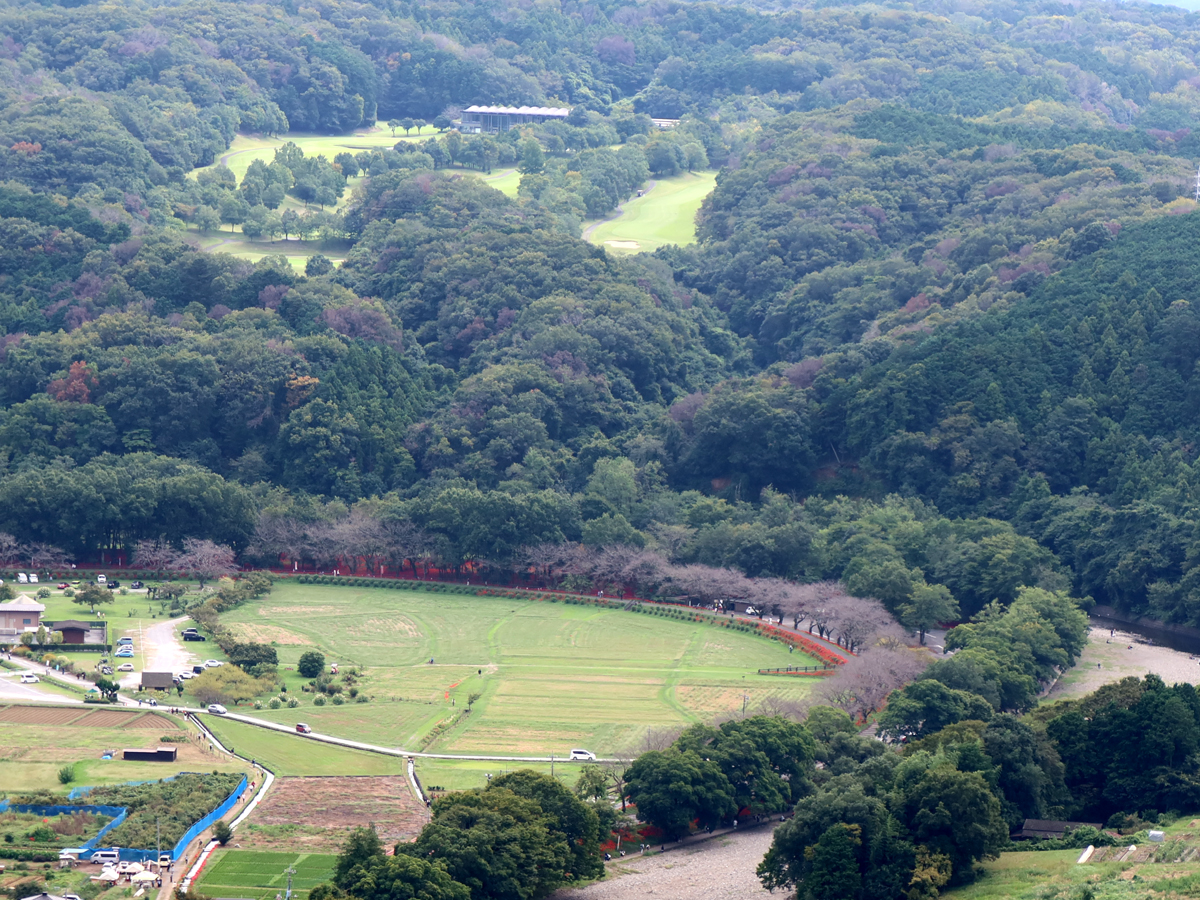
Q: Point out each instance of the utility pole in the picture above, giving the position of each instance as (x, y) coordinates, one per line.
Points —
(291, 870)
(745, 697)
(158, 843)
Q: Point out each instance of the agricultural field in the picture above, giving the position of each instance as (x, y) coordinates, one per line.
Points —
(549, 676)
(666, 214)
(318, 813)
(261, 875)
(37, 741)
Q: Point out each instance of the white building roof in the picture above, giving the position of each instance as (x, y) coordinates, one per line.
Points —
(24, 603)
(520, 110)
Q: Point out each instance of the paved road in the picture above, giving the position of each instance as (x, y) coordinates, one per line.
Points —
(160, 650)
(12, 689)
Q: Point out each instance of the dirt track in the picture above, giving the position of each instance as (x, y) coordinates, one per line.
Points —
(720, 869)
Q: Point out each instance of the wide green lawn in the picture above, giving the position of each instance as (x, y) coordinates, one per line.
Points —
(261, 875)
(286, 754)
(550, 676)
(665, 215)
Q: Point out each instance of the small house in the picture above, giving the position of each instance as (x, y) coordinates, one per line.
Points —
(73, 631)
(157, 681)
(19, 616)
(1050, 829)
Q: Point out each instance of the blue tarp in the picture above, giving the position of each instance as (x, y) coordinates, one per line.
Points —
(119, 814)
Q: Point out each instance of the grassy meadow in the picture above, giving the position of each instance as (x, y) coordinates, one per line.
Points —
(666, 214)
(286, 754)
(550, 676)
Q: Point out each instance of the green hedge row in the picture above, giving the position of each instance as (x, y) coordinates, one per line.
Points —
(24, 854)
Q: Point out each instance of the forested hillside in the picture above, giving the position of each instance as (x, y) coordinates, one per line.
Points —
(936, 330)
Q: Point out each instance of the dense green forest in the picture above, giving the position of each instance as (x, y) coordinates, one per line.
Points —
(936, 333)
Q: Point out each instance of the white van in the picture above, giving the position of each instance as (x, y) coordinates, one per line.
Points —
(108, 857)
(22, 578)
(33, 578)
(583, 754)
(101, 579)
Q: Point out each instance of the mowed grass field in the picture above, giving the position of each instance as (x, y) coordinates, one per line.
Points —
(286, 754)
(260, 875)
(665, 215)
(550, 676)
(31, 753)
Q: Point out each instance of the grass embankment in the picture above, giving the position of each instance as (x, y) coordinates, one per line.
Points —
(286, 754)
(550, 676)
(666, 214)
(262, 875)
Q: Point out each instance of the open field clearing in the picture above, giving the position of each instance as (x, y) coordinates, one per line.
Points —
(550, 676)
(286, 754)
(35, 742)
(318, 813)
(261, 875)
(665, 215)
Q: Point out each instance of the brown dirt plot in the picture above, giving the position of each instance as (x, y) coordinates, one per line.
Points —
(38, 715)
(315, 813)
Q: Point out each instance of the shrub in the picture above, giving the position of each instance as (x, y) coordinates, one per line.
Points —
(66, 774)
(319, 700)
(293, 703)
(338, 699)
(258, 704)
(222, 832)
(274, 703)
(362, 698)
(311, 664)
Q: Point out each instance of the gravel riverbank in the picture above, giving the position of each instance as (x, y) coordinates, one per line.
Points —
(719, 869)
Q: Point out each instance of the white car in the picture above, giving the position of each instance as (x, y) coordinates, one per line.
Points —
(587, 755)
(125, 667)
(32, 578)
(217, 709)
(186, 675)
(29, 678)
(212, 663)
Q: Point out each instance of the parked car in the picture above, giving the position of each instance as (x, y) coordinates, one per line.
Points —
(22, 578)
(124, 640)
(212, 663)
(125, 652)
(62, 586)
(217, 709)
(197, 670)
(32, 578)
(125, 667)
(186, 675)
(302, 728)
(113, 585)
(137, 585)
(29, 678)
(106, 670)
(164, 859)
(193, 636)
(101, 579)
(583, 754)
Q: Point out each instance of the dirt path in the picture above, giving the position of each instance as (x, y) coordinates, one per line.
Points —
(620, 211)
(720, 869)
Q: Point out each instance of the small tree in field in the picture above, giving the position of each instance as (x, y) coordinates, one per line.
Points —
(92, 594)
(222, 832)
(204, 560)
(311, 664)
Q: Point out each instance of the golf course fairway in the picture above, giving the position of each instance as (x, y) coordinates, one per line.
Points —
(666, 214)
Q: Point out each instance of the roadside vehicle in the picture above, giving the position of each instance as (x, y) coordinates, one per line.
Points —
(124, 640)
(578, 753)
(136, 585)
(101, 579)
(111, 856)
(187, 675)
(29, 678)
(212, 663)
(217, 709)
(62, 586)
(193, 636)
(302, 728)
(164, 859)
(33, 578)
(125, 652)
(22, 578)
(113, 585)
(125, 667)
(197, 670)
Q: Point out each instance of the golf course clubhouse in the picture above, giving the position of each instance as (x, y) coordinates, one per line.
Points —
(494, 119)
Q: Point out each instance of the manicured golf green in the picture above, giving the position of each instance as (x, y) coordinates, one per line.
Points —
(285, 754)
(262, 875)
(296, 252)
(666, 214)
(550, 676)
